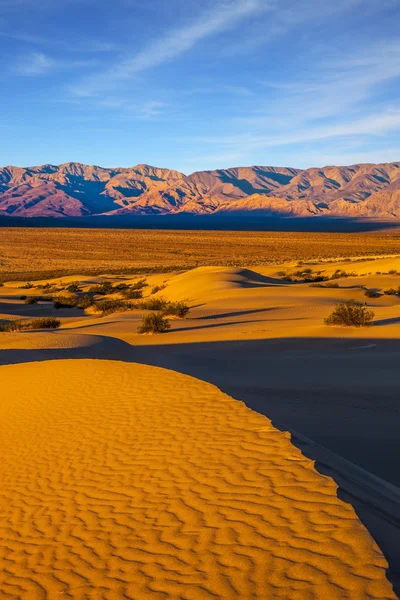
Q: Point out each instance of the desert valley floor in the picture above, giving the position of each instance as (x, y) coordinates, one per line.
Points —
(249, 452)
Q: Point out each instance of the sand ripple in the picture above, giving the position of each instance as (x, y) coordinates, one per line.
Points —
(126, 481)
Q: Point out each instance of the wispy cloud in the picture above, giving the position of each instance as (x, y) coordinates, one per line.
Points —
(37, 64)
(222, 17)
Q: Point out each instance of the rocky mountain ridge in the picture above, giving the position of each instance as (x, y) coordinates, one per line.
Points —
(77, 190)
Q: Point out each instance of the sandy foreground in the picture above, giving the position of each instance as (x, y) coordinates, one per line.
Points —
(122, 480)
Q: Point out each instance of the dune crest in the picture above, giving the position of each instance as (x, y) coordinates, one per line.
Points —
(127, 481)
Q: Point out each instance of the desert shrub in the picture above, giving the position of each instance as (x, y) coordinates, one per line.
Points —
(138, 285)
(153, 304)
(44, 323)
(351, 314)
(44, 286)
(27, 286)
(120, 287)
(73, 287)
(392, 291)
(65, 302)
(154, 323)
(393, 272)
(338, 274)
(317, 285)
(103, 288)
(176, 309)
(329, 284)
(157, 288)
(84, 302)
(371, 294)
(31, 300)
(24, 324)
(23, 297)
(131, 294)
(111, 305)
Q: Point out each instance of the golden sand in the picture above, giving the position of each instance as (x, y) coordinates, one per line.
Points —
(128, 481)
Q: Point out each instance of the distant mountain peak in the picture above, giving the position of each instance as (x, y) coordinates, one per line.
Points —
(74, 189)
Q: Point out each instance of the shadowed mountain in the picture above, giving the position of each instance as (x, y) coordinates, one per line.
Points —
(77, 190)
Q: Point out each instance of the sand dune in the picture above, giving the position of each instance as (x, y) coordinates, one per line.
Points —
(127, 481)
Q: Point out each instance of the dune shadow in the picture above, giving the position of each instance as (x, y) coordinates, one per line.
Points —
(390, 321)
(327, 393)
(239, 313)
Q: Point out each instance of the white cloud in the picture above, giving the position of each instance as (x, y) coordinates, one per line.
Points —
(38, 63)
(223, 16)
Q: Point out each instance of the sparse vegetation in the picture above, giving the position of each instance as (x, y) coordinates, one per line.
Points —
(25, 324)
(154, 323)
(371, 294)
(131, 294)
(65, 302)
(152, 304)
(350, 313)
(84, 302)
(31, 300)
(73, 287)
(392, 292)
(176, 309)
(138, 285)
(111, 305)
(104, 288)
(157, 288)
(27, 286)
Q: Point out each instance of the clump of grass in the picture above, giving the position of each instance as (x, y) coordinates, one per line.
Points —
(371, 294)
(65, 302)
(24, 324)
(102, 289)
(329, 284)
(73, 287)
(111, 305)
(31, 300)
(393, 272)
(121, 287)
(153, 304)
(138, 285)
(131, 294)
(350, 313)
(84, 302)
(339, 274)
(176, 309)
(27, 286)
(392, 292)
(154, 323)
(157, 288)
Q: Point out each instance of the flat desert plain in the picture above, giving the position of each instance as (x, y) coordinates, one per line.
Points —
(251, 451)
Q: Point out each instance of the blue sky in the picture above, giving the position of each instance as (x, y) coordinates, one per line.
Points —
(203, 84)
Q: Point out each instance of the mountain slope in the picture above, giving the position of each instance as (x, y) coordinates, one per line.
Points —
(75, 190)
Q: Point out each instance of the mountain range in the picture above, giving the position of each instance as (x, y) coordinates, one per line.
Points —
(78, 190)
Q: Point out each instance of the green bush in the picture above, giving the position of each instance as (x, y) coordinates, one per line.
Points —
(176, 309)
(84, 302)
(103, 288)
(351, 314)
(65, 302)
(154, 323)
